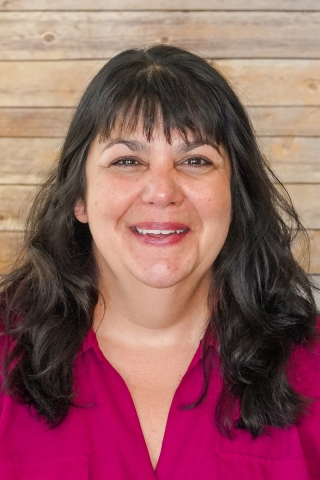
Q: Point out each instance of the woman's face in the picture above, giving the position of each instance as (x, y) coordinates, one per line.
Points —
(158, 213)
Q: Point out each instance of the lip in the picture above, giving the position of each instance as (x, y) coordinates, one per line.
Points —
(163, 240)
(161, 226)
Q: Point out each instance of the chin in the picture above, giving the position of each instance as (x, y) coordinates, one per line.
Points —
(160, 282)
(162, 275)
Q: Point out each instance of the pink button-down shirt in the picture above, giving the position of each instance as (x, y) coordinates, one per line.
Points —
(103, 440)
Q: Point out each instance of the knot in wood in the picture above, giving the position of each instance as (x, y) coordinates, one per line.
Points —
(49, 38)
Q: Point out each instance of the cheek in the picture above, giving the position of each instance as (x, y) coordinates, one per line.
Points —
(215, 204)
(108, 202)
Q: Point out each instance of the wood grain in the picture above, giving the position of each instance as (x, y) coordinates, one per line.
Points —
(294, 159)
(53, 122)
(10, 243)
(159, 5)
(45, 84)
(305, 198)
(88, 35)
(286, 121)
(257, 81)
(34, 122)
(25, 160)
(274, 82)
(315, 252)
(15, 201)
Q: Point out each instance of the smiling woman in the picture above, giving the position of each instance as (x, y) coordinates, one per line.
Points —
(157, 325)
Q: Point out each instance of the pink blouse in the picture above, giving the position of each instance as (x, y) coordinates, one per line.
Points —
(102, 439)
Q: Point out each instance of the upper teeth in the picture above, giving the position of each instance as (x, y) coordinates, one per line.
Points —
(144, 231)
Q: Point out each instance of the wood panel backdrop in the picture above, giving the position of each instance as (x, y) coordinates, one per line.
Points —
(49, 51)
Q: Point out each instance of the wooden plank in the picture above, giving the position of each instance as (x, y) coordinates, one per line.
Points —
(34, 122)
(25, 160)
(10, 242)
(15, 201)
(53, 122)
(286, 121)
(314, 251)
(294, 159)
(274, 82)
(233, 34)
(45, 84)
(305, 198)
(257, 81)
(78, 5)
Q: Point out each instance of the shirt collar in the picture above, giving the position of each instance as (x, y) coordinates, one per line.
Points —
(89, 341)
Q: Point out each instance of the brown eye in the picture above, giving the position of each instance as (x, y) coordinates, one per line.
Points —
(126, 162)
(197, 162)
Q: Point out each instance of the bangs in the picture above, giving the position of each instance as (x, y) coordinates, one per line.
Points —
(158, 95)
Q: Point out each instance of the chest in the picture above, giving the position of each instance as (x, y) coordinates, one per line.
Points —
(152, 377)
(152, 407)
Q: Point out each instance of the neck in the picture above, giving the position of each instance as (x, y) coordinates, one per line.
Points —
(141, 314)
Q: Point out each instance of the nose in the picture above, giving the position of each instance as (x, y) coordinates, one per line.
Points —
(162, 189)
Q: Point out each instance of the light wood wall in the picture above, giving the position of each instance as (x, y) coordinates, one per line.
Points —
(49, 51)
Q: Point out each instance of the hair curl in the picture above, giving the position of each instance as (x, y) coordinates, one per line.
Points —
(261, 298)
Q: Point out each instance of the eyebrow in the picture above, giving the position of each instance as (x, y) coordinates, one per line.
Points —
(133, 145)
(136, 146)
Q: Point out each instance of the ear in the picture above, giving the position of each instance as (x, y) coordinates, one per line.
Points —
(80, 211)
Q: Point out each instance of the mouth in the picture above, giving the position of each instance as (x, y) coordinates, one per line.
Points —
(160, 233)
(156, 232)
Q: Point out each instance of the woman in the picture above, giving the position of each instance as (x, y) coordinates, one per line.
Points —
(158, 326)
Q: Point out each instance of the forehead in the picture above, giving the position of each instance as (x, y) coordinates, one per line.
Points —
(138, 138)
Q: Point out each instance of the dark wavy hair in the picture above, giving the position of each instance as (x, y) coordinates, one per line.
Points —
(260, 297)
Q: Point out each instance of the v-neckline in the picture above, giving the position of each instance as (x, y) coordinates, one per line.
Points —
(194, 361)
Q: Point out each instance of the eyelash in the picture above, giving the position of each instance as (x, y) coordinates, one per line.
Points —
(204, 162)
(121, 162)
(133, 162)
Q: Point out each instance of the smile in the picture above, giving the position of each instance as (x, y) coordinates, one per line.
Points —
(145, 231)
(160, 234)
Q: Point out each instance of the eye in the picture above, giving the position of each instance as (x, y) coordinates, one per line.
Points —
(196, 165)
(196, 161)
(126, 162)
